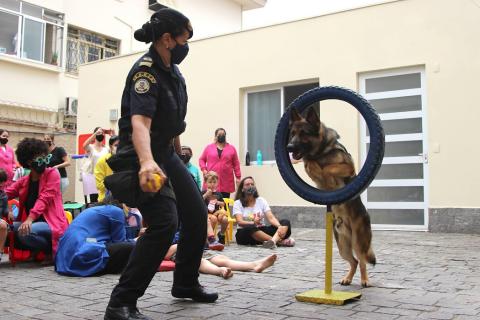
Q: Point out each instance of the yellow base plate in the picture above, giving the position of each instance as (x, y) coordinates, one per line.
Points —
(320, 297)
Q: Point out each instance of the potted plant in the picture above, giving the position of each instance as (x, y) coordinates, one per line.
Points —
(54, 60)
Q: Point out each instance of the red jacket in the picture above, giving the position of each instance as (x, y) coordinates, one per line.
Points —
(49, 202)
(225, 166)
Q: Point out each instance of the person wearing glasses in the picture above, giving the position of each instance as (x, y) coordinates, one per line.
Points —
(41, 220)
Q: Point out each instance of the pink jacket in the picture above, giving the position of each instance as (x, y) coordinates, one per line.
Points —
(49, 202)
(224, 166)
(7, 162)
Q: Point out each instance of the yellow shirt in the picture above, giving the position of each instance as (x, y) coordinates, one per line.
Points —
(101, 171)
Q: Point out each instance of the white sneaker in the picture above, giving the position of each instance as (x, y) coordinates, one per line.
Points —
(269, 244)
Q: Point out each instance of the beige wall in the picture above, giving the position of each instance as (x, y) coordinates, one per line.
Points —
(441, 36)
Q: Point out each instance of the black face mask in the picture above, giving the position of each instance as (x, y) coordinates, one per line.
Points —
(221, 138)
(100, 137)
(3, 140)
(178, 53)
(38, 168)
(186, 158)
(251, 191)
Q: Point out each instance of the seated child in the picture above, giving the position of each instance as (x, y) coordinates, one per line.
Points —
(216, 213)
(4, 213)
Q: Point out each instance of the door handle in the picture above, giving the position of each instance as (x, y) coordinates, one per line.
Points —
(424, 156)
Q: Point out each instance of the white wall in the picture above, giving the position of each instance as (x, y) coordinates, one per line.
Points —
(211, 17)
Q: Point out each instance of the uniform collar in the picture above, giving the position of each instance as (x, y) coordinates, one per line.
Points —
(157, 59)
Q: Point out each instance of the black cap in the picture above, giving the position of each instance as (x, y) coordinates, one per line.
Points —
(165, 20)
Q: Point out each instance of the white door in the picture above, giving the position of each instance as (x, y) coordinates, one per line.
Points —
(397, 198)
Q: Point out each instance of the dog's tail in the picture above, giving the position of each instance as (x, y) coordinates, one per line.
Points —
(371, 256)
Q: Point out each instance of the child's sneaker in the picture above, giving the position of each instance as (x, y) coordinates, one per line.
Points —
(215, 245)
(269, 244)
(289, 242)
(221, 238)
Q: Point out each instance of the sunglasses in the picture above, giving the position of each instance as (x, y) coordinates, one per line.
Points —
(45, 159)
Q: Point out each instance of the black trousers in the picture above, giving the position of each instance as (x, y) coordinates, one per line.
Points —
(161, 214)
(244, 235)
(118, 252)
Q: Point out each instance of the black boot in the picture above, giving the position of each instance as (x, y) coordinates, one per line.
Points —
(196, 293)
(124, 313)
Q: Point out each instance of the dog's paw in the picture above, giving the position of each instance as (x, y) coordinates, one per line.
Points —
(365, 283)
(346, 281)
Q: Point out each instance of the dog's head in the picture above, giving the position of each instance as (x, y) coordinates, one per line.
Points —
(308, 136)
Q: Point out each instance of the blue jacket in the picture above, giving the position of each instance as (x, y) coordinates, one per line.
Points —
(81, 251)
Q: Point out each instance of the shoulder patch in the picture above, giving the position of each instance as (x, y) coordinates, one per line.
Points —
(142, 86)
(145, 75)
(147, 59)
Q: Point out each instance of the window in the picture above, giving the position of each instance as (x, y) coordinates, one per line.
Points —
(30, 32)
(85, 46)
(263, 111)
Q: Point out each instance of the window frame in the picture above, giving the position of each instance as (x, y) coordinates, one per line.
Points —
(104, 48)
(263, 88)
(21, 29)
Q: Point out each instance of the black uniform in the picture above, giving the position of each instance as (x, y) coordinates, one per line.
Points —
(160, 93)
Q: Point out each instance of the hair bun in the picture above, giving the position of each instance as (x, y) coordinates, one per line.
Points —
(144, 34)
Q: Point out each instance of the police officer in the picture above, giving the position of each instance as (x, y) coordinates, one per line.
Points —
(154, 105)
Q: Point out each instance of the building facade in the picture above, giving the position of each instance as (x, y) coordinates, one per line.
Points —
(416, 61)
(43, 43)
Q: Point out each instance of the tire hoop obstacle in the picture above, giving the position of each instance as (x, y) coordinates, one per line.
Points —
(353, 189)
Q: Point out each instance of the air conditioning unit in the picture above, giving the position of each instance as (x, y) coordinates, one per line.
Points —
(71, 106)
(155, 6)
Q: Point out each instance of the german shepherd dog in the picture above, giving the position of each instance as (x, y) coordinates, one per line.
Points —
(331, 167)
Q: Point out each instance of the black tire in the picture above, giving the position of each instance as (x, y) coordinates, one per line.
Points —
(372, 163)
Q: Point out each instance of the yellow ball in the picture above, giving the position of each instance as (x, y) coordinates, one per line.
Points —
(156, 183)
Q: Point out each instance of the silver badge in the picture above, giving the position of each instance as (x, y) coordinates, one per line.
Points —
(142, 86)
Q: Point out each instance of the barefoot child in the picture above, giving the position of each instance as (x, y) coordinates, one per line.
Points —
(223, 266)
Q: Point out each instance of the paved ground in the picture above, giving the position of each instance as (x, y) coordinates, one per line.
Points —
(418, 276)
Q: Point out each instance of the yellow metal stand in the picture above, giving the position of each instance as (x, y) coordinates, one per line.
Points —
(327, 296)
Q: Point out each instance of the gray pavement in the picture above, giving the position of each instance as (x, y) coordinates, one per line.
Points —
(418, 276)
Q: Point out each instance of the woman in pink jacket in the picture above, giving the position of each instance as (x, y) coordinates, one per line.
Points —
(221, 157)
(41, 217)
(7, 160)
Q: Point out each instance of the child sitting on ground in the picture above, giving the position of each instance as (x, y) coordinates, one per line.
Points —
(4, 212)
(216, 213)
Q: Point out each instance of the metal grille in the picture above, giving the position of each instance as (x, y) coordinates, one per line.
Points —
(85, 46)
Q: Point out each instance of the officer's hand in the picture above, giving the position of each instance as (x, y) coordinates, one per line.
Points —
(146, 175)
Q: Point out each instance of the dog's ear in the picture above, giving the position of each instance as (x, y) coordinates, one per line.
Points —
(312, 117)
(294, 116)
(331, 135)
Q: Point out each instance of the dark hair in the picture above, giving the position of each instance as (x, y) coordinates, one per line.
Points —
(28, 149)
(96, 128)
(3, 130)
(220, 129)
(165, 20)
(109, 200)
(112, 140)
(50, 135)
(187, 148)
(3, 175)
(240, 195)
